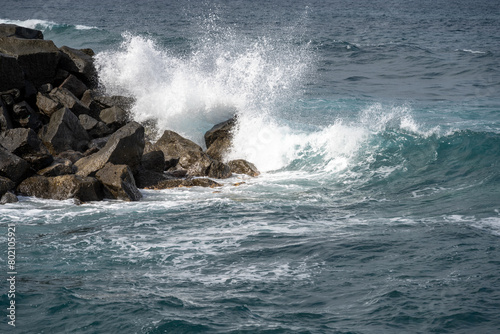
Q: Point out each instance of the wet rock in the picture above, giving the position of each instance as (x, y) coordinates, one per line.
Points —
(64, 132)
(177, 183)
(5, 185)
(47, 104)
(58, 168)
(88, 101)
(218, 139)
(62, 187)
(241, 166)
(25, 116)
(75, 86)
(12, 166)
(191, 156)
(114, 117)
(118, 182)
(11, 73)
(8, 197)
(148, 179)
(124, 147)
(154, 161)
(219, 170)
(20, 141)
(38, 58)
(38, 160)
(79, 63)
(70, 101)
(12, 30)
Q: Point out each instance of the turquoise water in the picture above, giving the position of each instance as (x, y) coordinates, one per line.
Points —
(376, 126)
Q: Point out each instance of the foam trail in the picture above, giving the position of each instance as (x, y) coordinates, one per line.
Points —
(43, 24)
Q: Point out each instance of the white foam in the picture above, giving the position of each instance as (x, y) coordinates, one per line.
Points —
(42, 24)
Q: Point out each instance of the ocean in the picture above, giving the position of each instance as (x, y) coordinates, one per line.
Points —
(376, 126)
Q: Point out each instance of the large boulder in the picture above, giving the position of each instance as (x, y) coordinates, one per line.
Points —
(12, 166)
(118, 182)
(148, 178)
(64, 132)
(124, 147)
(38, 58)
(114, 117)
(79, 63)
(74, 85)
(218, 139)
(154, 161)
(191, 156)
(12, 30)
(219, 170)
(47, 104)
(20, 141)
(95, 128)
(5, 185)
(58, 168)
(62, 187)
(241, 166)
(11, 74)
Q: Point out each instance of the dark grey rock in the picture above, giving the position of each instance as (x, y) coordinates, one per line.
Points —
(8, 197)
(74, 85)
(38, 58)
(45, 88)
(177, 183)
(70, 101)
(58, 168)
(70, 155)
(219, 170)
(12, 166)
(114, 117)
(6, 184)
(218, 139)
(118, 182)
(79, 63)
(64, 132)
(25, 116)
(154, 161)
(191, 156)
(243, 167)
(148, 179)
(12, 30)
(20, 141)
(124, 147)
(38, 160)
(62, 187)
(88, 122)
(122, 102)
(5, 119)
(11, 73)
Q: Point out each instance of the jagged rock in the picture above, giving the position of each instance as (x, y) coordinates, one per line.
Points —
(218, 139)
(5, 120)
(114, 117)
(191, 156)
(20, 141)
(11, 73)
(176, 172)
(241, 166)
(25, 116)
(38, 58)
(12, 30)
(89, 102)
(87, 122)
(118, 182)
(47, 104)
(124, 147)
(75, 86)
(176, 183)
(61, 75)
(70, 101)
(80, 63)
(98, 143)
(61, 167)
(219, 170)
(8, 197)
(62, 187)
(11, 96)
(70, 155)
(5, 185)
(122, 102)
(45, 88)
(64, 132)
(12, 166)
(154, 161)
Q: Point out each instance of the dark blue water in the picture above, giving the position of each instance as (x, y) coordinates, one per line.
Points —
(376, 125)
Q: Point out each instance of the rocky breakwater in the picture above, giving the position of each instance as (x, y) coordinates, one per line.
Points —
(62, 138)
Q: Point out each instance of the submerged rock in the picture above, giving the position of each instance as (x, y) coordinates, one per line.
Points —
(124, 147)
(62, 187)
(118, 182)
(178, 183)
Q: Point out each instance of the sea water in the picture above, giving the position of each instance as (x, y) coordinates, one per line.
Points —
(376, 126)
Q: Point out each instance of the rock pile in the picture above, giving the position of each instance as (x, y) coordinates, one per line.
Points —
(61, 138)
